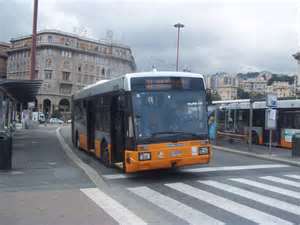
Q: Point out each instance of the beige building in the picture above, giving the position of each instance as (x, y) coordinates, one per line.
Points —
(3, 59)
(282, 89)
(66, 63)
(224, 84)
(253, 85)
(297, 57)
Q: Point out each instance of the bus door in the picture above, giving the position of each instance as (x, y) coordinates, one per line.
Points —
(91, 124)
(117, 128)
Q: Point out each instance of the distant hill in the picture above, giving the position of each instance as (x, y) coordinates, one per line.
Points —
(274, 77)
(282, 78)
(249, 75)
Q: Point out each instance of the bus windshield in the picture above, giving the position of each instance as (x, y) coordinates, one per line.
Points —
(169, 115)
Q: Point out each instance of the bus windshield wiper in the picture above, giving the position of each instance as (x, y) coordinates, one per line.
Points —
(173, 132)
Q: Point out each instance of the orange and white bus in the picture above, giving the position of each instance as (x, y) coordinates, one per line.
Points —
(144, 121)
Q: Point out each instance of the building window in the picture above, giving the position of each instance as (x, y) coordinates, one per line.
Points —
(103, 72)
(49, 51)
(66, 54)
(50, 39)
(48, 74)
(48, 62)
(66, 76)
(79, 68)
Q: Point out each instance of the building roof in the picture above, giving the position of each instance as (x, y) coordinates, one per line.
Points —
(21, 90)
(102, 41)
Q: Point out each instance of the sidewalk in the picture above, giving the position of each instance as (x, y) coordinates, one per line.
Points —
(44, 185)
(259, 151)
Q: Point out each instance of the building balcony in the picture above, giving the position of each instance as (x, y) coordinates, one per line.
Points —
(70, 82)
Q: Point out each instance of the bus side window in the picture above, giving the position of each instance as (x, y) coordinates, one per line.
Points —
(297, 121)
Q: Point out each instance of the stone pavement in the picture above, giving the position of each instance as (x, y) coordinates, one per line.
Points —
(44, 185)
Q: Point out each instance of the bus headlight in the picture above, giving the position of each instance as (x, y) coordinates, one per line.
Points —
(203, 151)
(143, 156)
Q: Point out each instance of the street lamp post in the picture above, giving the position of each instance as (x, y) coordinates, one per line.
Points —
(178, 26)
(33, 45)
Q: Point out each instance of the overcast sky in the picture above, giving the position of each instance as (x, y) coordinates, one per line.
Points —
(219, 35)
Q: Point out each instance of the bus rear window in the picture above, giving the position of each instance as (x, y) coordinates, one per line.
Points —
(166, 83)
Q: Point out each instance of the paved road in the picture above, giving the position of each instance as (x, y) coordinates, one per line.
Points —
(233, 189)
(46, 187)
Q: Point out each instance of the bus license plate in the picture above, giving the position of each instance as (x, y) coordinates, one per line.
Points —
(176, 153)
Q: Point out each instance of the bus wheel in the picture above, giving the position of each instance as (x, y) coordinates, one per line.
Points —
(105, 154)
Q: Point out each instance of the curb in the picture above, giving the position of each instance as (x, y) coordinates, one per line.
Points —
(89, 171)
(266, 157)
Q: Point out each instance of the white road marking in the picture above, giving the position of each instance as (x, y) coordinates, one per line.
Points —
(233, 168)
(207, 169)
(228, 205)
(117, 211)
(115, 176)
(282, 191)
(297, 177)
(282, 181)
(254, 196)
(179, 209)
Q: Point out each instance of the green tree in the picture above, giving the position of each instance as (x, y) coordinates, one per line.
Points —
(212, 95)
(241, 94)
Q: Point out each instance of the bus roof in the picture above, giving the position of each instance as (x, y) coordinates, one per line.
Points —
(123, 82)
(282, 104)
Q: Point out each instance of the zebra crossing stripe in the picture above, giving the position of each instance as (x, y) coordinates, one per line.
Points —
(233, 168)
(175, 207)
(278, 190)
(117, 211)
(228, 205)
(297, 177)
(282, 181)
(254, 196)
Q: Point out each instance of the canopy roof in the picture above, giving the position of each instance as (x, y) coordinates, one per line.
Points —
(22, 90)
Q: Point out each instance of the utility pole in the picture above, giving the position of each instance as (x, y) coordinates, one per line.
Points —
(178, 26)
(33, 45)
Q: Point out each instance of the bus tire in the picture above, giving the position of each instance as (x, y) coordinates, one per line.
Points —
(105, 154)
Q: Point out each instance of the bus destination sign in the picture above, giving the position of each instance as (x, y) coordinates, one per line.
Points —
(167, 83)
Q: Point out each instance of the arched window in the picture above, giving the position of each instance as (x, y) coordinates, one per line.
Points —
(64, 105)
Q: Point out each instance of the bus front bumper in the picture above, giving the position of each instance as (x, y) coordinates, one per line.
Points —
(135, 165)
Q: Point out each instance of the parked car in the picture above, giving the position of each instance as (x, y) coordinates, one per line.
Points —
(56, 121)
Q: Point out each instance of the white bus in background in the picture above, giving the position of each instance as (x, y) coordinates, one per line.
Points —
(288, 121)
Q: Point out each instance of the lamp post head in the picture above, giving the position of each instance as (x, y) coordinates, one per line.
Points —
(178, 25)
